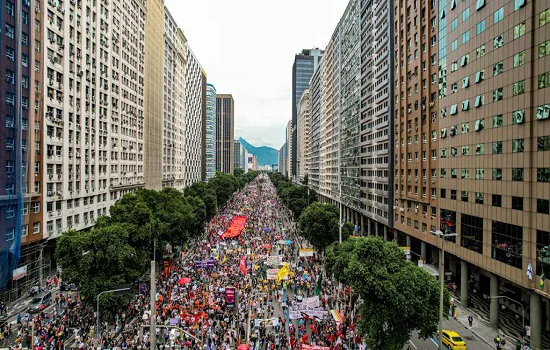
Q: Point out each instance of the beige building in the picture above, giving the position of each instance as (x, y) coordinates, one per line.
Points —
(303, 136)
(153, 105)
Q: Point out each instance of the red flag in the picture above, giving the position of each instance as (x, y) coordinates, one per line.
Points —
(242, 265)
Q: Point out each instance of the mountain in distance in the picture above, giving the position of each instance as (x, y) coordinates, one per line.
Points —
(266, 155)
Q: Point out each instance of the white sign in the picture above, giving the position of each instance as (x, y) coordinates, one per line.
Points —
(306, 252)
(20, 272)
(275, 260)
(311, 301)
(268, 322)
(296, 312)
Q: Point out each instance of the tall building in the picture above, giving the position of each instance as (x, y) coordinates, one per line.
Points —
(21, 145)
(303, 135)
(174, 123)
(288, 148)
(154, 73)
(240, 156)
(252, 162)
(225, 125)
(194, 106)
(314, 125)
(305, 64)
(211, 129)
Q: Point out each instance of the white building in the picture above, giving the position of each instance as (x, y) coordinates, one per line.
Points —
(303, 136)
(174, 121)
(94, 98)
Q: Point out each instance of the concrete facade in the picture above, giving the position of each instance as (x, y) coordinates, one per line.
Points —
(225, 132)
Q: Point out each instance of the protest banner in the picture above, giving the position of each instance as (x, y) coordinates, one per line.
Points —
(268, 322)
(306, 252)
(311, 301)
(275, 260)
(297, 312)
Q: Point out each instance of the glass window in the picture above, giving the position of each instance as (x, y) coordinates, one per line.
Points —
(465, 14)
(518, 88)
(518, 4)
(465, 105)
(517, 145)
(543, 251)
(480, 75)
(465, 128)
(498, 68)
(454, 24)
(10, 8)
(480, 51)
(543, 112)
(464, 196)
(519, 59)
(454, 45)
(543, 174)
(519, 30)
(480, 4)
(497, 147)
(10, 30)
(10, 53)
(480, 149)
(543, 143)
(479, 197)
(453, 109)
(498, 94)
(497, 174)
(465, 174)
(480, 174)
(480, 99)
(544, 48)
(479, 125)
(544, 17)
(480, 27)
(518, 117)
(497, 121)
(544, 80)
(497, 200)
(517, 203)
(465, 82)
(507, 242)
(465, 151)
(471, 228)
(498, 42)
(454, 173)
(465, 36)
(517, 174)
(498, 15)
(543, 206)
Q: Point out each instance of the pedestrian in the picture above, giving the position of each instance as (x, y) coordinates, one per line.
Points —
(470, 320)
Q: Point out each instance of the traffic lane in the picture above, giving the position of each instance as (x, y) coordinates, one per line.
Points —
(473, 342)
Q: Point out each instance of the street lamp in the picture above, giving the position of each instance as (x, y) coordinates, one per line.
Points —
(441, 279)
(99, 295)
(517, 302)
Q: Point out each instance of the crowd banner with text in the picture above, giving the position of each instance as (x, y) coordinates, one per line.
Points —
(311, 301)
(306, 252)
(275, 260)
(268, 322)
(296, 312)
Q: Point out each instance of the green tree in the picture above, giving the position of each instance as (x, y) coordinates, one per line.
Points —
(379, 272)
(207, 194)
(196, 227)
(224, 185)
(238, 172)
(319, 225)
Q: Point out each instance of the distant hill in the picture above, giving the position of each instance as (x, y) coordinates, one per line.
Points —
(266, 155)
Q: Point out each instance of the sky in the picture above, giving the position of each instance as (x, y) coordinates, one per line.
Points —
(247, 49)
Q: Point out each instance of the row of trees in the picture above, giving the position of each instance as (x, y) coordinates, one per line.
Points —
(120, 246)
(396, 296)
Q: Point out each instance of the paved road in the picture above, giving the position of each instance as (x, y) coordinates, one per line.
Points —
(472, 341)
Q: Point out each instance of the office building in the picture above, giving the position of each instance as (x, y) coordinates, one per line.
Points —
(225, 124)
(303, 135)
(174, 123)
(153, 86)
(288, 149)
(211, 129)
(252, 162)
(195, 109)
(305, 64)
(240, 156)
(21, 145)
(314, 125)
(282, 159)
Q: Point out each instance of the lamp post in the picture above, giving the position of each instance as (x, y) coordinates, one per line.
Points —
(98, 296)
(441, 280)
(517, 302)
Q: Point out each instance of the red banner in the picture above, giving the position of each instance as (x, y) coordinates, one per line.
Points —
(236, 227)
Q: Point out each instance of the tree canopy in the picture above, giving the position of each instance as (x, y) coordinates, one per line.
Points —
(397, 296)
(319, 225)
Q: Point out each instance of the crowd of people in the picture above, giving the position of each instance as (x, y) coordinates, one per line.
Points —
(194, 307)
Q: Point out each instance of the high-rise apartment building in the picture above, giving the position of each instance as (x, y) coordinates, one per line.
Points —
(314, 128)
(288, 157)
(305, 64)
(211, 129)
(153, 86)
(281, 159)
(303, 135)
(174, 123)
(240, 156)
(195, 119)
(225, 125)
(21, 145)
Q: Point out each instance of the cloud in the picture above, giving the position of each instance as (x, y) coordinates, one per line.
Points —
(247, 48)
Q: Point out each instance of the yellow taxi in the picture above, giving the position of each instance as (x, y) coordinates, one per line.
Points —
(453, 341)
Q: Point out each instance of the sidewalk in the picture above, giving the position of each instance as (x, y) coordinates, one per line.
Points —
(481, 328)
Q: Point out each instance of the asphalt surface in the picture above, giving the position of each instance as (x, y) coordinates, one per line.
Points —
(472, 341)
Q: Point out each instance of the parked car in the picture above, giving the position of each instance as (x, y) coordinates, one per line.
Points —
(453, 341)
(40, 302)
(66, 286)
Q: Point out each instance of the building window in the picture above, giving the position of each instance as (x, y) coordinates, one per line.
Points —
(480, 4)
(465, 151)
(454, 173)
(517, 145)
(543, 174)
(480, 51)
(24, 230)
(10, 8)
(480, 174)
(465, 173)
(480, 100)
(465, 36)
(543, 112)
(498, 94)
(518, 4)
(480, 27)
(498, 42)
(480, 149)
(10, 31)
(497, 174)
(471, 228)
(443, 193)
(519, 59)
(498, 15)
(10, 233)
(497, 121)
(24, 17)
(36, 207)
(480, 75)
(544, 80)
(543, 206)
(517, 203)
(454, 24)
(10, 212)
(507, 242)
(544, 17)
(519, 30)
(543, 143)
(36, 228)
(517, 174)
(518, 88)
(497, 147)
(10, 53)
(498, 68)
(464, 196)
(544, 48)
(479, 197)
(543, 251)
(454, 45)
(465, 14)
(448, 222)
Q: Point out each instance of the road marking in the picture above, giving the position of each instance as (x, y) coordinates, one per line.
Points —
(433, 340)
(412, 344)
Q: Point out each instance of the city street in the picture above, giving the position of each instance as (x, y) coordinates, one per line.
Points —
(473, 342)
